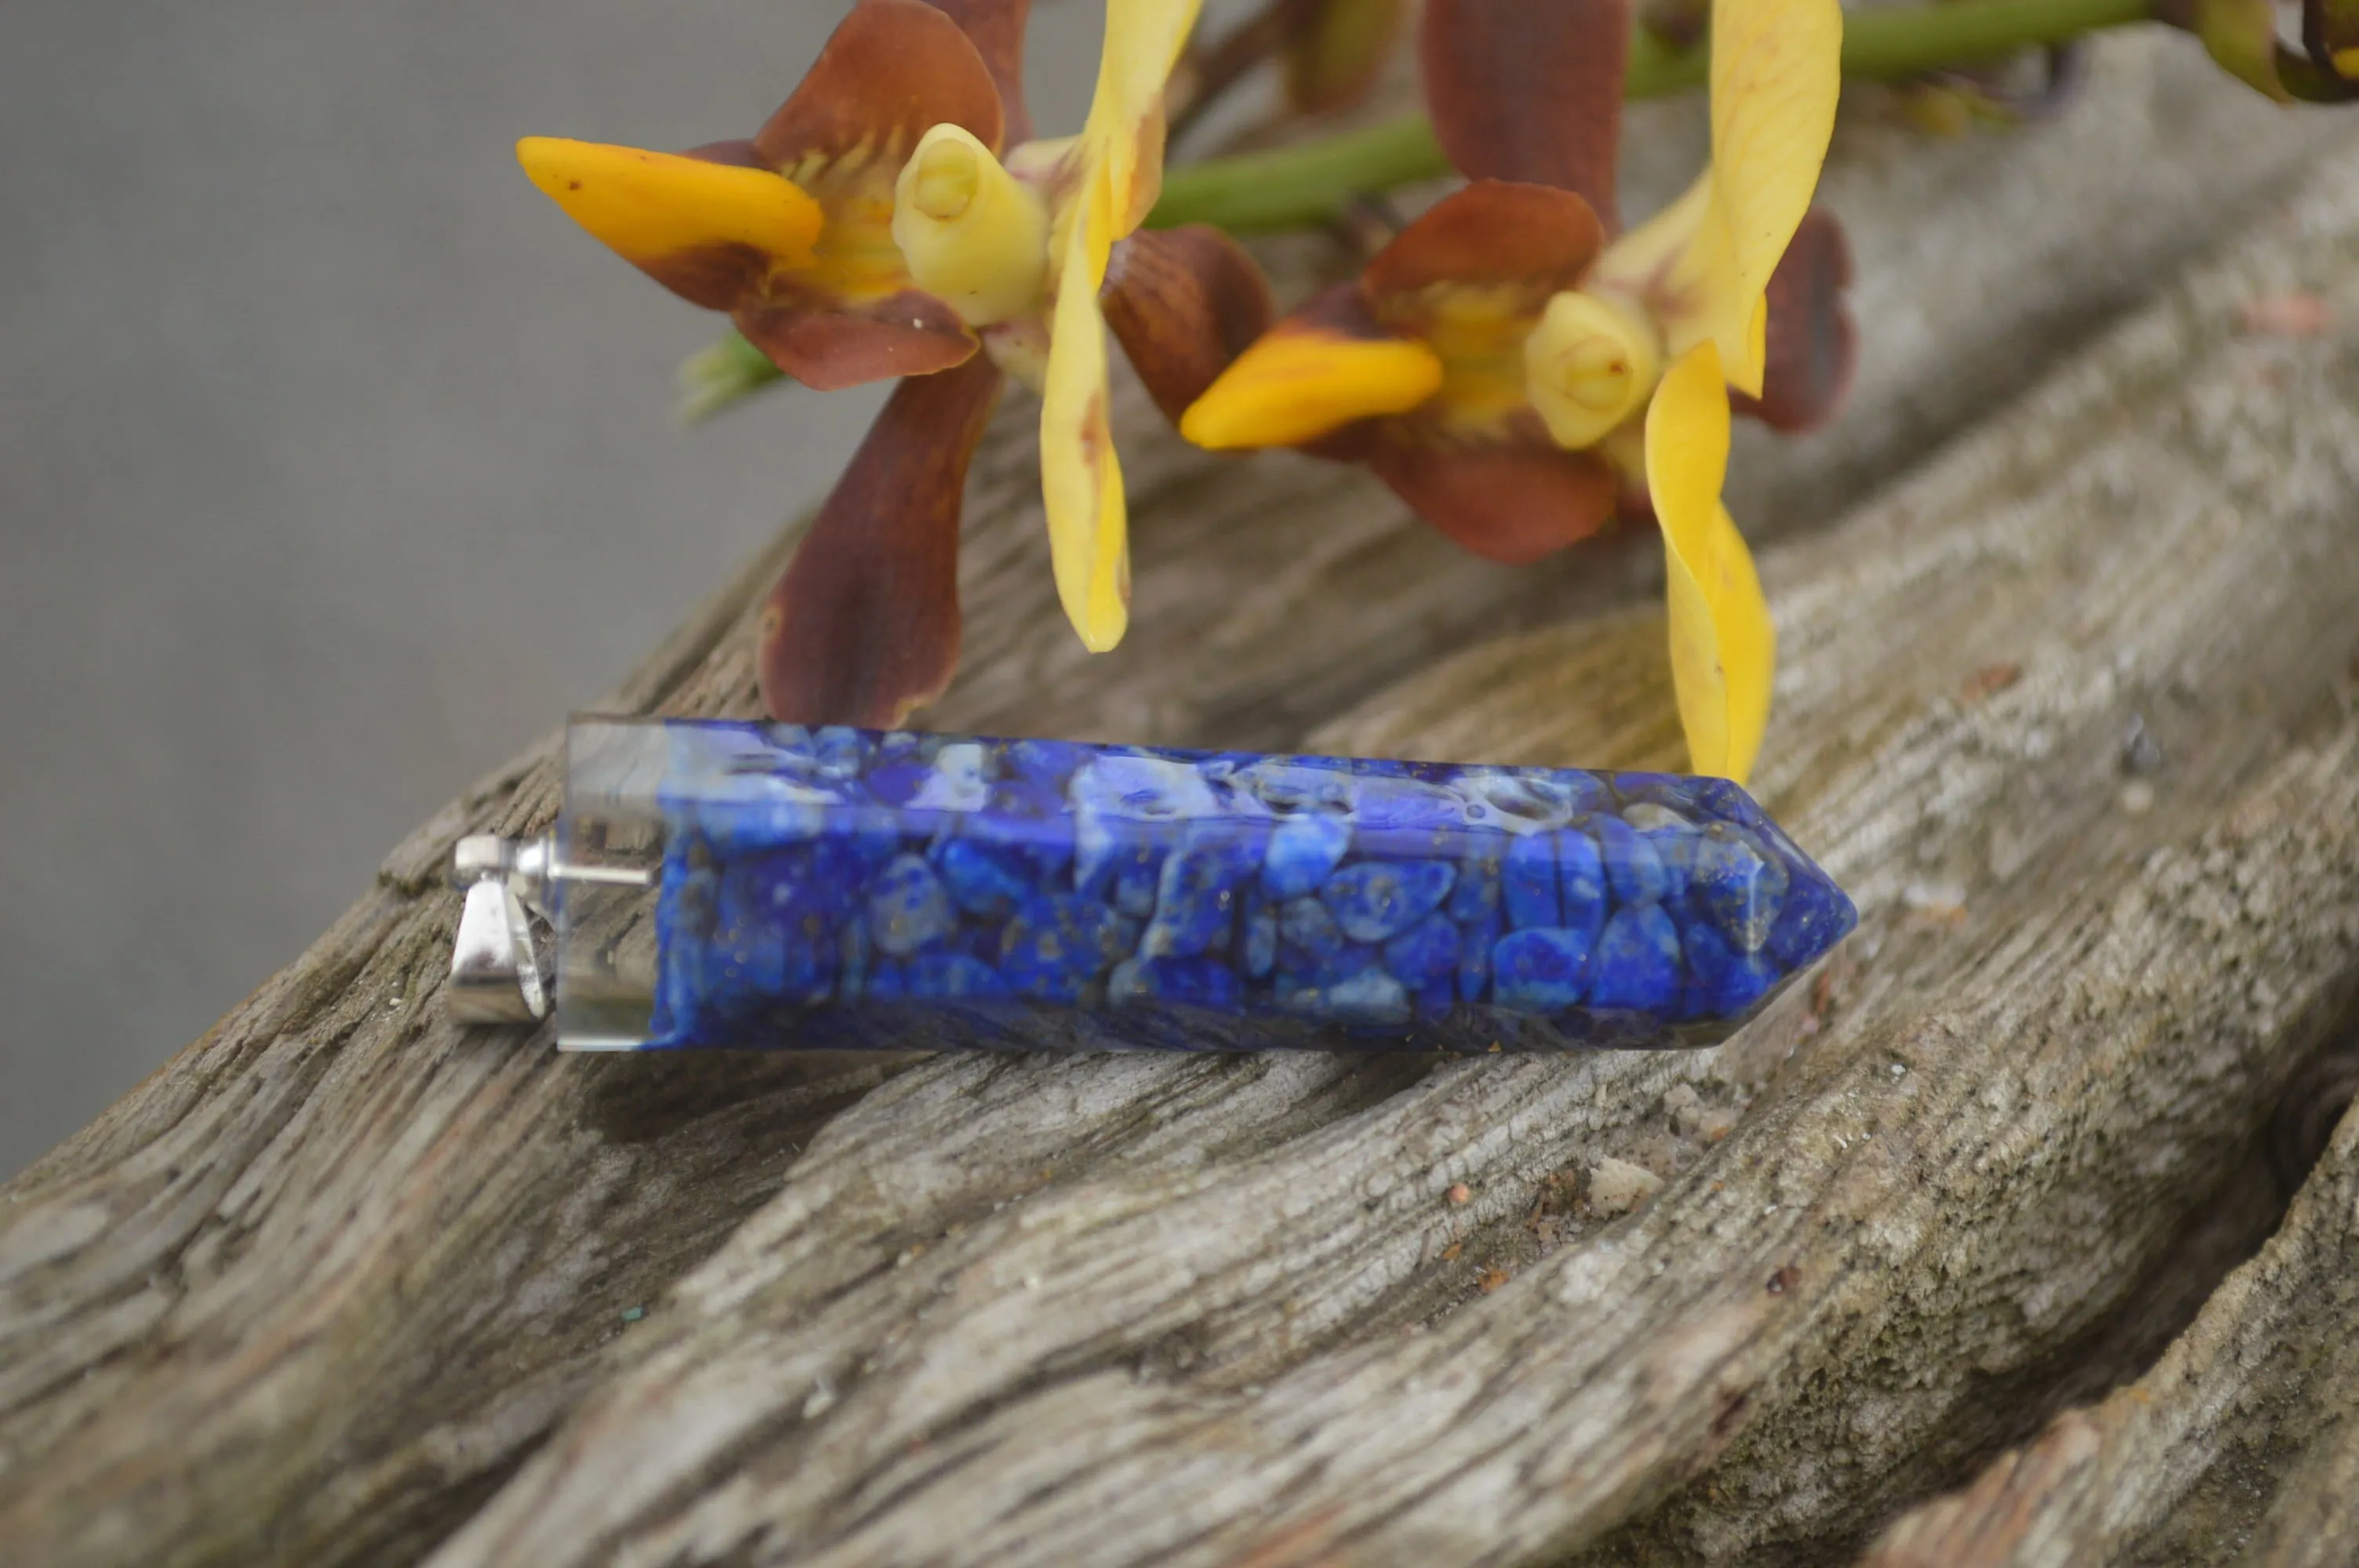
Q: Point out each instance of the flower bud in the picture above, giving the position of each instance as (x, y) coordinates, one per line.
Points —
(1589, 365)
(1335, 50)
(2330, 30)
(721, 375)
(2242, 36)
(943, 179)
(971, 233)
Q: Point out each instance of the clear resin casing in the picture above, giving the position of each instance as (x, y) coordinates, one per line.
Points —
(738, 885)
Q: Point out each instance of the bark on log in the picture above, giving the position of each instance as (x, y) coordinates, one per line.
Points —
(341, 1285)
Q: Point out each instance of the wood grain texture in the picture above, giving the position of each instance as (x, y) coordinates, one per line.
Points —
(2241, 1444)
(340, 1284)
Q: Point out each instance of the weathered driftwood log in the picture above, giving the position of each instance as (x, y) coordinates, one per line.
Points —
(342, 1284)
(2242, 1445)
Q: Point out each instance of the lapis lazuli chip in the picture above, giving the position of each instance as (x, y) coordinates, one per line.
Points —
(839, 886)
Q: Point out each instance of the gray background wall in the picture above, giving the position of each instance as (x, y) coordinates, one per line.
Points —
(334, 463)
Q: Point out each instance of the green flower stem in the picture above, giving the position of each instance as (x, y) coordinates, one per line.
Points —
(717, 376)
(1297, 186)
(1301, 186)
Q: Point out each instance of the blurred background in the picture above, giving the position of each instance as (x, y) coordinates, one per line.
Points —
(335, 464)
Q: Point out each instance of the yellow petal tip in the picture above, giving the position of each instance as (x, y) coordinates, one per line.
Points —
(1297, 385)
(647, 206)
(1102, 635)
(1096, 603)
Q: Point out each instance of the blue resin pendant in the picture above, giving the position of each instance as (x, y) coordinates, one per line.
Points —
(738, 885)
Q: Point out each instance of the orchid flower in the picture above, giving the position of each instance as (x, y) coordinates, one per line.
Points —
(1510, 379)
(871, 228)
(791, 233)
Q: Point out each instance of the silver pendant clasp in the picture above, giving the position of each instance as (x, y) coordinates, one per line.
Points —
(497, 972)
(496, 967)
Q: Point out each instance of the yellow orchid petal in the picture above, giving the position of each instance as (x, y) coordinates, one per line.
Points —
(1723, 647)
(1117, 172)
(1718, 612)
(1777, 70)
(1080, 476)
(1297, 384)
(974, 235)
(648, 205)
(1122, 142)
(1642, 259)
(1687, 436)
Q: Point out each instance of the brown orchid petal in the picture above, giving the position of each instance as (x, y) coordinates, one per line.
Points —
(1341, 308)
(1183, 302)
(1510, 503)
(828, 345)
(863, 626)
(1813, 346)
(1335, 50)
(1530, 90)
(1529, 240)
(891, 71)
(995, 27)
(737, 153)
(713, 276)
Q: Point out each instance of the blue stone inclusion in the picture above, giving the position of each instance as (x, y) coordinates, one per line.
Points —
(839, 887)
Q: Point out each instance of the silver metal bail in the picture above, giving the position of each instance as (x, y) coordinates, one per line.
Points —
(495, 970)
